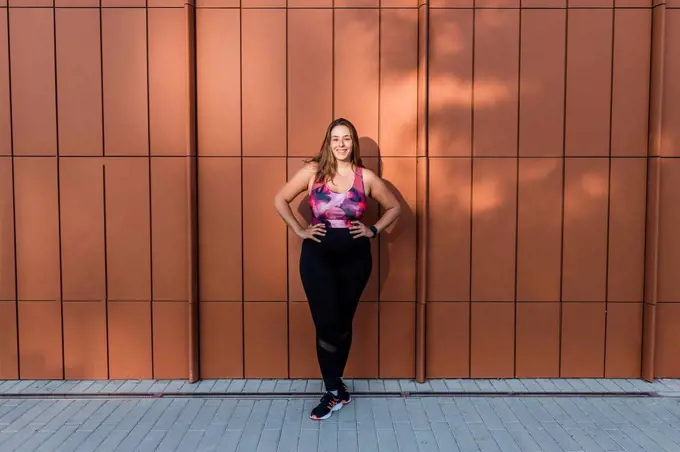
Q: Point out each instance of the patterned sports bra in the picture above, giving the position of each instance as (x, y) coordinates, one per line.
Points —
(338, 210)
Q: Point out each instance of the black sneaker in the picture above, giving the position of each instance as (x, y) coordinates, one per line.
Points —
(324, 410)
(343, 394)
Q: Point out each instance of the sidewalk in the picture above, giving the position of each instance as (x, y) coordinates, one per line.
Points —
(386, 415)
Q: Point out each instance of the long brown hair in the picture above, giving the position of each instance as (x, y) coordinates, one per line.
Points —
(327, 165)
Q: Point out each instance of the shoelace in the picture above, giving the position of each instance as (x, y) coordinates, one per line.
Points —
(329, 400)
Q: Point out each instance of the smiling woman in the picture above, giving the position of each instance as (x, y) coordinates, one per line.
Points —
(335, 261)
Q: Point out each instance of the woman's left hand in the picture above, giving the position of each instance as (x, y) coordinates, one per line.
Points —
(358, 229)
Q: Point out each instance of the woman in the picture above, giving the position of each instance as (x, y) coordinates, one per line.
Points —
(335, 260)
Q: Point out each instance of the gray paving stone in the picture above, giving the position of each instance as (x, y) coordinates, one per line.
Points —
(308, 441)
(392, 385)
(467, 408)
(376, 386)
(298, 386)
(14, 439)
(523, 438)
(488, 415)
(482, 436)
(423, 387)
(367, 437)
(211, 438)
(433, 410)
(562, 437)
(267, 386)
(593, 413)
(588, 443)
(56, 440)
(502, 410)
(516, 385)
(152, 440)
(252, 385)
(559, 414)
(505, 441)
(531, 385)
(205, 415)
(224, 411)
(387, 440)
(624, 441)
(26, 417)
(112, 386)
(444, 437)
(361, 385)
(426, 441)
(639, 436)
(35, 387)
(16, 413)
(241, 414)
(290, 436)
(135, 437)
(578, 385)
(500, 386)
(469, 386)
(269, 440)
(174, 386)
(563, 385)
(349, 440)
(21, 385)
(547, 385)
(276, 415)
(189, 387)
(236, 386)
(416, 412)
(81, 386)
(230, 440)
(96, 438)
(282, 386)
(205, 386)
(314, 387)
(536, 409)
(600, 437)
(128, 386)
(406, 439)
(96, 387)
(398, 410)
(113, 440)
(382, 417)
(170, 414)
(220, 386)
(485, 385)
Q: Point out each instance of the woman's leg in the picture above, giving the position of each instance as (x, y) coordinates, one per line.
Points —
(354, 271)
(319, 280)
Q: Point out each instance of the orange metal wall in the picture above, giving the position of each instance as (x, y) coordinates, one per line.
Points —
(544, 255)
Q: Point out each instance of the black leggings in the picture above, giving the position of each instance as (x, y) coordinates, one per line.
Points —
(334, 274)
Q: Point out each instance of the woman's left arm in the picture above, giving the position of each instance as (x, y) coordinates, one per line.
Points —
(376, 189)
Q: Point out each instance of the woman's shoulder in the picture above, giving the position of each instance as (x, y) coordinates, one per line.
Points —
(311, 166)
(368, 174)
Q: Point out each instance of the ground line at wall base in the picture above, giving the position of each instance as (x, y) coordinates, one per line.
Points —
(298, 395)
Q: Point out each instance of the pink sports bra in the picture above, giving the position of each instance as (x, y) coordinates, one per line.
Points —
(338, 210)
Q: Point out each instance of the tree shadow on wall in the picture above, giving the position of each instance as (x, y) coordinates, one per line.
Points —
(404, 227)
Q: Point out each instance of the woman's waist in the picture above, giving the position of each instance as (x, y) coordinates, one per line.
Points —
(335, 223)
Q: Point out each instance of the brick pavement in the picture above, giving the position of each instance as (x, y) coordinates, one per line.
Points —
(421, 422)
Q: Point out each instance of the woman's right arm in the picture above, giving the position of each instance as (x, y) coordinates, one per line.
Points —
(296, 185)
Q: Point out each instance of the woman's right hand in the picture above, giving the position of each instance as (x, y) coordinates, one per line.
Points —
(312, 231)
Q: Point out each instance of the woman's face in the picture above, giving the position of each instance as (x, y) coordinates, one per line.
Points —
(341, 143)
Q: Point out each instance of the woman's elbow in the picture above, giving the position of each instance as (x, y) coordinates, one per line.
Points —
(396, 210)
